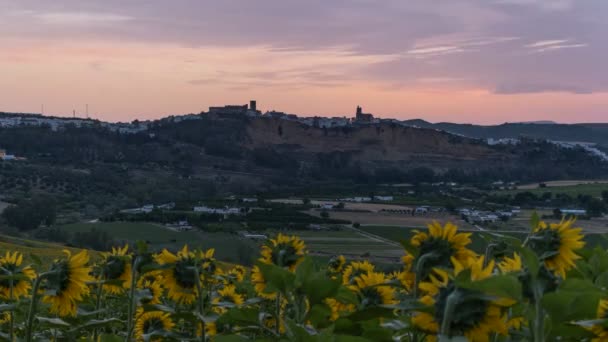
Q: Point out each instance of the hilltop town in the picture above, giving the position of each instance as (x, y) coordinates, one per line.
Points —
(250, 110)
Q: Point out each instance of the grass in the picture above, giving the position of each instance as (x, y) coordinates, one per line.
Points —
(131, 231)
(228, 247)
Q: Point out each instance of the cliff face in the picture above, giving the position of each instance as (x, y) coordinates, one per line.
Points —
(382, 143)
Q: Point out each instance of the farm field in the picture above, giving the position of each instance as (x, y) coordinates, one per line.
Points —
(562, 183)
(44, 250)
(347, 242)
(593, 189)
(390, 219)
(374, 207)
(227, 245)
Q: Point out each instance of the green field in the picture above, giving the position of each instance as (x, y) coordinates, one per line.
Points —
(572, 190)
(228, 247)
(343, 242)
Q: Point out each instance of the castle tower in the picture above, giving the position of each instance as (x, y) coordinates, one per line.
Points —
(253, 105)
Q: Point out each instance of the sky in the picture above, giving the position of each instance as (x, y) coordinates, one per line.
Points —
(478, 61)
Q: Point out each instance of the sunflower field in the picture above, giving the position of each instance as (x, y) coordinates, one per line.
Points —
(549, 287)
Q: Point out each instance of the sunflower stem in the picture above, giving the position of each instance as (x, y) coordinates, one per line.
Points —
(201, 306)
(10, 314)
(539, 318)
(132, 299)
(277, 313)
(448, 312)
(98, 301)
(33, 303)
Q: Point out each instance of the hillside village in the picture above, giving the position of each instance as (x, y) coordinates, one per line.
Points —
(8, 120)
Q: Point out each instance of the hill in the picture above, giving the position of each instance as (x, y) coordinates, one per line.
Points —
(92, 165)
(584, 132)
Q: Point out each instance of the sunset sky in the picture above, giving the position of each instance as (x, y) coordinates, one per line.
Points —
(482, 61)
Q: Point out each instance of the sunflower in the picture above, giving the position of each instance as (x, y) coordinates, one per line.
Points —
(438, 246)
(180, 279)
(116, 265)
(371, 290)
(235, 275)
(152, 322)
(510, 265)
(10, 264)
(354, 270)
(475, 317)
(68, 283)
(227, 295)
(271, 323)
(156, 291)
(210, 329)
(152, 276)
(284, 251)
(407, 277)
(5, 317)
(556, 244)
(337, 308)
(259, 284)
(336, 264)
(600, 332)
(209, 264)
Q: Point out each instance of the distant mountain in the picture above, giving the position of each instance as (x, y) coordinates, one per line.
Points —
(585, 132)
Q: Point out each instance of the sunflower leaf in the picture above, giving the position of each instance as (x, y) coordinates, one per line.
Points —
(534, 220)
(504, 286)
(53, 321)
(530, 260)
(346, 296)
(98, 323)
(370, 313)
(319, 315)
(7, 307)
(277, 278)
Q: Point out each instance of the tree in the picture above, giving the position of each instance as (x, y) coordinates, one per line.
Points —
(605, 196)
(595, 207)
(30, 214)
(557, 213)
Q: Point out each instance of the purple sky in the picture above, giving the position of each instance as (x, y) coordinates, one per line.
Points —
(486, 61)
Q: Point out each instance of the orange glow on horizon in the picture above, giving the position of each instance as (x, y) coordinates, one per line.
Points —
(125, 81)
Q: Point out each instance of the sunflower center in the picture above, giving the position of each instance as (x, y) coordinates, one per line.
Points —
(153, 324)
(284, 255)
(356, 272)
(60, 276)
(468, 313)
(371, 297)
(114, 267)
(437, 253)
(545, 243)
(185, 274)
